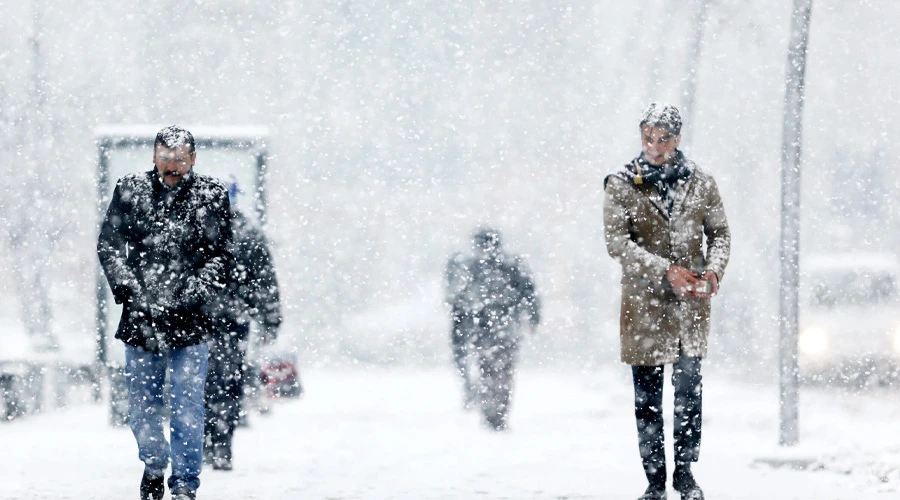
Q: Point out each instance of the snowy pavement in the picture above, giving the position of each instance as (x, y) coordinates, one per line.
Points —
(401, 434)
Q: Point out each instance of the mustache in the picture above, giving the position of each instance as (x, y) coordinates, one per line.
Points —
(172, 173)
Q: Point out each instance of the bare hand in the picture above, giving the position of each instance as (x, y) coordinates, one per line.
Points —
(682, 280)
(713, 286)
(713, 280)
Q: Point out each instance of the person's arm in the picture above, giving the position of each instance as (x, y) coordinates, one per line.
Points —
(262, 294)
(457, 280)
(112, 252)
(617, 224)
(529, 301)
(454, 279)
(718, 235)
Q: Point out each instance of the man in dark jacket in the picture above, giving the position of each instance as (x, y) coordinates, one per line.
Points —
(165, 247)
(251, 293)
(489, 293)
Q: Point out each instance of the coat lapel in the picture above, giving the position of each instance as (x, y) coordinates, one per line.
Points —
(680, 194)
(653, 195)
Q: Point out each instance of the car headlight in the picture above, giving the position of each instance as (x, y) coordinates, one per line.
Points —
(815, 341)
(895, 339)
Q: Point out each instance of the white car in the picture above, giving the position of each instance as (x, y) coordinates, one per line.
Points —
(849, 321)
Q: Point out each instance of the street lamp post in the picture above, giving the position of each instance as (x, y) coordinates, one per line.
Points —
(790, 220)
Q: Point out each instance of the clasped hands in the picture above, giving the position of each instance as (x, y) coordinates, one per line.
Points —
(685, 282)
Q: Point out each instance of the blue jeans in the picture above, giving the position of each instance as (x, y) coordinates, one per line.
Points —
(146, 376)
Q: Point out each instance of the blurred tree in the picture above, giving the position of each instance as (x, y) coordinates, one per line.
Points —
(689, 83)
(32, 215)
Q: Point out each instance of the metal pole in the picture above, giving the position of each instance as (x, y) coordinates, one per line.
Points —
(689, 90)
(102, 310)
(790, 219)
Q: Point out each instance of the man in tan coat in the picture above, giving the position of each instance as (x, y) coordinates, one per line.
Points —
(665, 223)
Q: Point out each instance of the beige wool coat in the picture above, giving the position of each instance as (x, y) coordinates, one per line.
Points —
(655, 323)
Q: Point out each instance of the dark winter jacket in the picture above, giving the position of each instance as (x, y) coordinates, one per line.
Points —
(166, 253)
(495, 292)
(252, 288)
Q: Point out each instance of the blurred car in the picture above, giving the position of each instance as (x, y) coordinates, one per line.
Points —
(849, 321)
(273, 373)
(279, 376)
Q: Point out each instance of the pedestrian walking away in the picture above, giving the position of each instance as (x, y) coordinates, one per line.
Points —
(251, 293)
(165, 247)
(491, 295)
(658, 211)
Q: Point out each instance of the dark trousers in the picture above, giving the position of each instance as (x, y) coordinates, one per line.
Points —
(496, 349)
(225, 388)
(458, 341)
(648, 396)
(493, 351)
(460, 334)
(497, 364)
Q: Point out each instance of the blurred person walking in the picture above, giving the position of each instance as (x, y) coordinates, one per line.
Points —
(490, 294)
(658, 211)
(251, 293)
(165, 247)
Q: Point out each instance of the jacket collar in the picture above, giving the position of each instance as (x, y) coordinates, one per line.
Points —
(161, 189)
(644, 177)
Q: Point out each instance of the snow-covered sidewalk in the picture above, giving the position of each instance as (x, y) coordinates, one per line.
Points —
(401, 434)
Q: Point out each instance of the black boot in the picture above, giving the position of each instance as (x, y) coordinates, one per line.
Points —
(683, 482)
(152, 487)
(207, 450)
(655, 491)
(221, 456)
(183, 493)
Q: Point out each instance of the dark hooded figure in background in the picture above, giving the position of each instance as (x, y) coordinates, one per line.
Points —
(490, 294)
(251, 293)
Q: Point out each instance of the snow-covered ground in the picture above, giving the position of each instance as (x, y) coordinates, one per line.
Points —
(401, 434)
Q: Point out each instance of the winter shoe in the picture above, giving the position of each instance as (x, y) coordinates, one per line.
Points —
(496, 422)
(207, 450)
(654, 492)
(183, 493)
(221, 457)
(683, 482)
(694, 494)
(152, 487)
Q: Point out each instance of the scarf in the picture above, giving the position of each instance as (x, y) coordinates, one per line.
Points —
(663, 177)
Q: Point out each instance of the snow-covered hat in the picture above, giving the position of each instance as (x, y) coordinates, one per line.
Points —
(664, 116)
